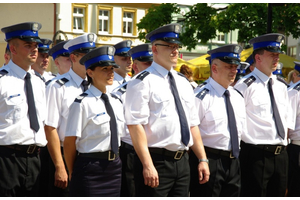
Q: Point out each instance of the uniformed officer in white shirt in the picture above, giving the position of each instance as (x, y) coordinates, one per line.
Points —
(7, 56)
(97, 169)
(60, 55)
(142, 58)
(294, 75)
(241, 72)
(251, 64)
(161, 166)
(42, 61)
(293, 147)
(21, 123)
(122, 59)
(215, 128)
(60, 95)
(263, 157)
(199, 87)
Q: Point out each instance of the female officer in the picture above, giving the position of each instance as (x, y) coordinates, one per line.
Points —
(93, 131)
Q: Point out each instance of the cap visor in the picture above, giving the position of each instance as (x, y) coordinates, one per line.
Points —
(230, 61)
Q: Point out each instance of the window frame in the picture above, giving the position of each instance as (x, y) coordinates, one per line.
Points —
(134, 12)
(110, 20)
(85, 20)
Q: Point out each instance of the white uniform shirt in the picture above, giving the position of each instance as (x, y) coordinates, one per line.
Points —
(260, 123)
(48, 76)
(200, 86)
(14, 119)
(211, 107)
(294, 96)
(118, 80)
(89, 122)
(150, 102)
(60, 98)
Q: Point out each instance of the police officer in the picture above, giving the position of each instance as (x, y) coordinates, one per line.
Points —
(251, 64)
(293, 148)
(42, 61)
(23, 112)
(294, 75)
(142, 58)
(7, 56)
(241, 71)
(154, 115)
(60, 95)
(60, 55)
(220, 141)
(199, 87)
(263, 157)
(278, 72)
(94, 130)
(122, 59)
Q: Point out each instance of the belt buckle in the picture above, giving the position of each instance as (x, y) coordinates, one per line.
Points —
(110, 158)
(31, 148)
(178, 155)
(230, 155)
(278, 150)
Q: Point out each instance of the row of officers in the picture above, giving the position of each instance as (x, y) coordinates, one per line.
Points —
(95, 131)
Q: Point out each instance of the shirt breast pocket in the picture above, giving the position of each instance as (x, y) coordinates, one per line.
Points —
(260, 106)
(16, 107)
(161, 103)
(214, 121)
(101, 124)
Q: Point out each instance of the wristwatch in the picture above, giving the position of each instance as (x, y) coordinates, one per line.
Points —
(204, 160)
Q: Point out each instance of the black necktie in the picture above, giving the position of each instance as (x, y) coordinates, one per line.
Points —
(34, 124)
(85, 85)
(112, 124)
(185, 130)
(124, 81)
(232, 126)
(278, 123)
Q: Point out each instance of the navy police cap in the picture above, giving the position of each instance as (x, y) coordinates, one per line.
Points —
(142, 52)
(27, 31)
(297, 66)
(122, 48)
(270, 42)
(43, 47)
(250, 60)
(168, 33)
(278, 69)
(59, 50)
(82, 44)
(101, 56)
(228, 53)
(241, 69)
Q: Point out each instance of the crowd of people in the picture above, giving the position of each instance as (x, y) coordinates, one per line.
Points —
(93, 130)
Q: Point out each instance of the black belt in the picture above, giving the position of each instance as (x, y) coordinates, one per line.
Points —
(127, 146)
(219, 152)
(29, 149)
(274, 149)
(107, 155)
(176, 155)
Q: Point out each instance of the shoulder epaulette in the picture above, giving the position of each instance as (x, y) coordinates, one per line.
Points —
(202, 93)
(47, 83)
(62, 81)
(3, 72)
(142, 75)
(239, 92)
(249, 80)
(282, 80)
(202, 84)
(181, 74)
(122, 89)
(116, 97)
(297, 87)
(80, 97)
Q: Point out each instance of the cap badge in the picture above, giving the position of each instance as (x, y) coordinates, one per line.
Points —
(91, 38)
(236, 49)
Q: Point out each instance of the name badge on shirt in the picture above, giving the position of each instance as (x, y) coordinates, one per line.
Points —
(100, 114)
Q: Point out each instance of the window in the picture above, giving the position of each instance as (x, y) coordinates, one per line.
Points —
(293, 51)
(79, 18)
(221, 37)
(104, 20)
(129, 25)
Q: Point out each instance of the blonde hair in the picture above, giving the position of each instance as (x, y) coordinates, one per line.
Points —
(290, 75)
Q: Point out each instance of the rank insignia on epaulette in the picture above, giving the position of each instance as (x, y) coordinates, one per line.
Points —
(3, 72)
(282, 80)
(249, 80)
(142, 75)
(122, 90)
(80, 97)
(202, 84)
(202, 93)
(62, 81)
(297, 87)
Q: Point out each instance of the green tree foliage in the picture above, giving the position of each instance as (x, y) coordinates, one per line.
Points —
(202, 22)
(157, 16)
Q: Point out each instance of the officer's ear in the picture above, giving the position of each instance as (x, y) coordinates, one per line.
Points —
(154, 49)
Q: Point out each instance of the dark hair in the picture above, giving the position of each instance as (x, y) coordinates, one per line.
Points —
(186, 70)
(257, 51)
(90, 80)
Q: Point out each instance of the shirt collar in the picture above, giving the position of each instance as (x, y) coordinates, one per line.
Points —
(217, 87)
(161, 70)
(117, 77)
(21, 73)
(264, 78)
(94, 91)
(77, 79)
